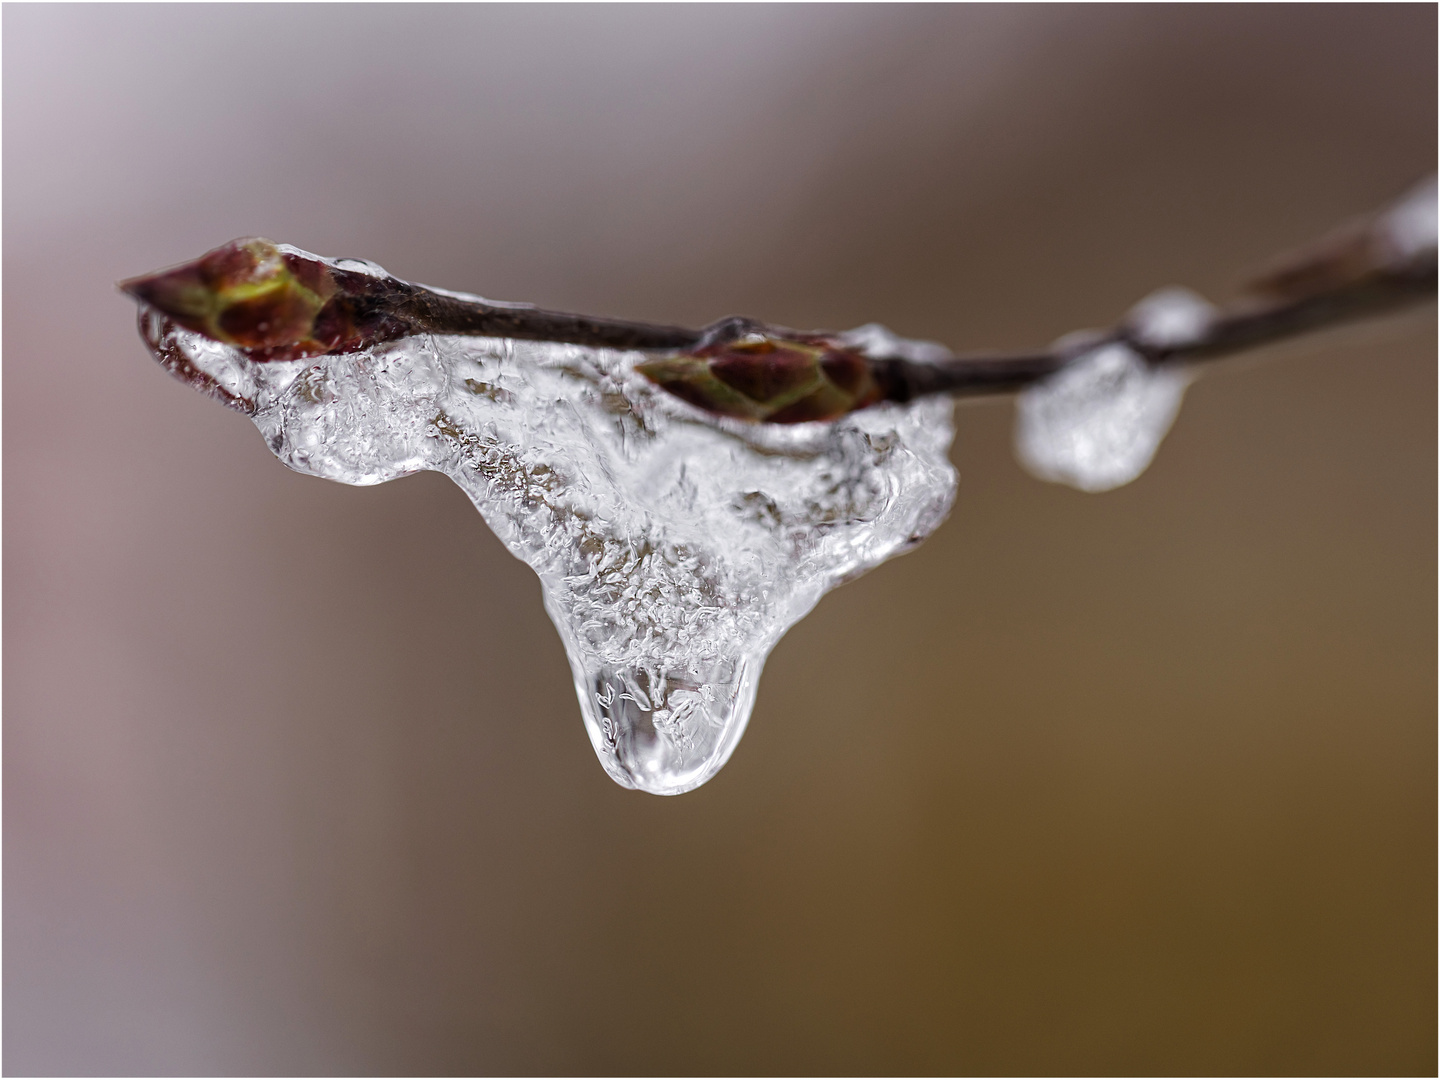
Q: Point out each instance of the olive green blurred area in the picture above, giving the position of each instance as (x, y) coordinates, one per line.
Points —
(1144, 782)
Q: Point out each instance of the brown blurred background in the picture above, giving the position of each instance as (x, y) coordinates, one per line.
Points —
(1143, 782)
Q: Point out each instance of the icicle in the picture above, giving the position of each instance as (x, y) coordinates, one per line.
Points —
(674, 547)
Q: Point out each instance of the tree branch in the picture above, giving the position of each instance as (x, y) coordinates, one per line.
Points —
(1245, 326)
(276, 302)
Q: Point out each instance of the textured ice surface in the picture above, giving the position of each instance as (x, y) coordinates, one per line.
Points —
(1097, 422)
(674, 549)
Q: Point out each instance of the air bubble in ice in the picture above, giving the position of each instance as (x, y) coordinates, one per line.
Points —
(673, 549)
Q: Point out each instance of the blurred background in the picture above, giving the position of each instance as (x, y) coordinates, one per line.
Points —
(1145, 782)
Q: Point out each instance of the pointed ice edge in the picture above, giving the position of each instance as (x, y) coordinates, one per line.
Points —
(674, 548)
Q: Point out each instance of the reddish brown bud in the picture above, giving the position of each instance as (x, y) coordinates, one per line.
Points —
(273, 303)
(781, 380)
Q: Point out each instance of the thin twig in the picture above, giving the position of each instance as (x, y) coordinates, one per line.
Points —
(280, 303)
(1245, 326)
(277, 302)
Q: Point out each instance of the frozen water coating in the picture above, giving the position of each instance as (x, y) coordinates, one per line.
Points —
(1409, 226)
(1170, 318)
(673, 548)
(1097, 422)
(675, 544)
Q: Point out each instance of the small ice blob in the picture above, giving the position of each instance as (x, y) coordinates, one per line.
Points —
(1097, 422)
(1170, 318)
(674, 548)
(1410, 224)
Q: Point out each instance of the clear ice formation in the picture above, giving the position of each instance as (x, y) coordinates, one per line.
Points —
(1098, 421)
(673, 548)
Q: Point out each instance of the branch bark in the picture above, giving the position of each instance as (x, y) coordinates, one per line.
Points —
(1247, 325)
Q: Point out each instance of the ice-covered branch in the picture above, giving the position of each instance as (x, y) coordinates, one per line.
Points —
(276, 302)
(676, 538)
(1367, 268)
